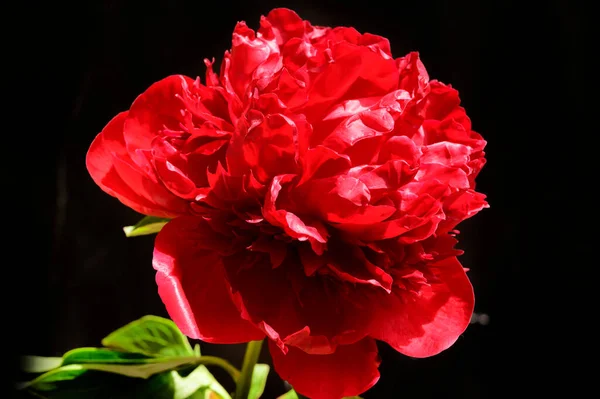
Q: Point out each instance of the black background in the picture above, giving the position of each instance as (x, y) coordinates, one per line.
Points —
(517, 70)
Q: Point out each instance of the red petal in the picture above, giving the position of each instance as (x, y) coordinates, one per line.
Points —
(159, 107)
(370, 123)
(356, 72)
(430, 322)
(340, 199)
(349, 263)
(351, 35)
(257, 286)
(350, 371)
(283, 24)
(313, 313)
(419, 213)
(268, 146)
(401, 148)
(251, 57)
(460, 206)
(295, 227)
(112, 169)
(322, 162)
(192, 284)
(413, 76)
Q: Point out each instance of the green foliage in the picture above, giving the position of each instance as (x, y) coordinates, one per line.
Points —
(148, 358)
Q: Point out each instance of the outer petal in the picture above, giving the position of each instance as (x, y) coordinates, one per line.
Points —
(111, 168)
(460, 206)
(155, 110)
(191, 282)
(430, 322)
(349, 371)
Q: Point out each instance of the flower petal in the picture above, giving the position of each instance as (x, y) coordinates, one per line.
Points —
(267, 145)
(251, 57)
(322, 162)
(116, 174)
(349, 371)
(460, 206)
(192, 284)
(283, 24)
(158, 108)
(354, 72)
(312, 313)
(315, 232)
(430, 322)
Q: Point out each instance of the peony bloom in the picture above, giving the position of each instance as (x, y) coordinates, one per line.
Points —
(314, 184)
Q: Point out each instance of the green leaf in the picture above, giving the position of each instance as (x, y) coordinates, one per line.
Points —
(259, 380)
(105, 356)
(200, 378)
(72, 371)
(148, 225)
(200, 383)
(39, 364)
(47, 380)
(99, 385)
(140, 370)
(150, 336)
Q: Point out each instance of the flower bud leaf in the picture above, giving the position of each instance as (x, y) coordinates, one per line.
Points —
(148, 225)
(259, 380)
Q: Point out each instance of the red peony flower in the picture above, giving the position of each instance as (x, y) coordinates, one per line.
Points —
(315, 184)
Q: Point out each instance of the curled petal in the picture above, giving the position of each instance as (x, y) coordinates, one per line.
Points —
(282, 24)
(413, 75)
(358, 127)
(350, 35)
(113, 170)
(340, 199)
(249, 59)
(155, 110)
(419, 213)
(402, 148)
(266, 145)
(322, 162)
(295, 227)
(460, 206)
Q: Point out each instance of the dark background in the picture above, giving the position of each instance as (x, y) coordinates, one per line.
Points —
(517, 70)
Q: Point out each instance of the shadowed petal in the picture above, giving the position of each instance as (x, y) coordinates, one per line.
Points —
(192, 284)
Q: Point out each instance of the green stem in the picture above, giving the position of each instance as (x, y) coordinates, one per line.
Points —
(224, 364)
(250, 358)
